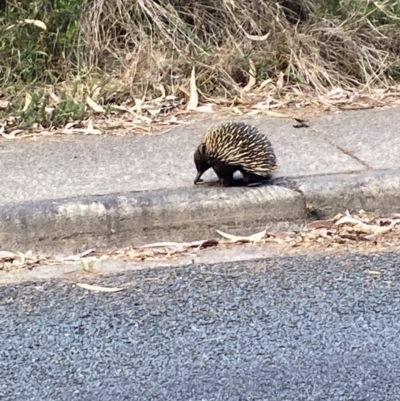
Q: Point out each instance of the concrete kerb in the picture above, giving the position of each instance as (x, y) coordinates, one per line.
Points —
(118, 220)
(375, 191)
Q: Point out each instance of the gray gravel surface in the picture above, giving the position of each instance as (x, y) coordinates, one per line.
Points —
(300, 328)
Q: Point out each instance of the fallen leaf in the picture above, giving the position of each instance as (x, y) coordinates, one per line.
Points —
(54, 98)
(70, 125)
(369, 229)
(36, 22)
(236, 110)
(369, 216)
(93, 105)
(356, 106)
(336, 93)
(301, 123)
(206, 108)
(28, 100)
(275, 114)
(91, 130)
(280, 82)
(258, 38)
(253, 112)
(265, 83)
(91, 287)
(12, 134)
(394, 223)
(96, 90)
(235, 238)
(138, 106)
(257, 236)
(161, 244)
(194, 97)
(252, 79)
(86, 253)
(319, 224)
(7, 255)
(4, 104)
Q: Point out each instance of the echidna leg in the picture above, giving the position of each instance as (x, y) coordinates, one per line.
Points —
(252, 179)
(226, 180)
(224, 174)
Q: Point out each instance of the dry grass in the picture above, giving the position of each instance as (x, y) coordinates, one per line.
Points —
(152, 43)
(148, 48)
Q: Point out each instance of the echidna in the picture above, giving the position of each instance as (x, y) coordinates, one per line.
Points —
(235, 146)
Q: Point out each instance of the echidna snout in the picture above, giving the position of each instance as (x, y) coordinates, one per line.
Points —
(202, 164)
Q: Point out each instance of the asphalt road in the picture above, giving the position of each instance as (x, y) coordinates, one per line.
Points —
(302, 328)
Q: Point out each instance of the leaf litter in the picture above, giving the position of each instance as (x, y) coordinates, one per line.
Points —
(341, 232)
(272, 97)
(98, 288)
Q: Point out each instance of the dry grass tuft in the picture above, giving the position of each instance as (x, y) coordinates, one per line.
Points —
(146, 49)
(152, 43)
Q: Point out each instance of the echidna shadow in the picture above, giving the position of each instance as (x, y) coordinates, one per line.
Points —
(232, 147)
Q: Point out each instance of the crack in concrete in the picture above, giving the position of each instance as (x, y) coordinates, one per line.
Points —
(349, 153)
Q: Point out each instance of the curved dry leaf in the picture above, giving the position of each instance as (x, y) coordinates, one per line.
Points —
(71, 124)
(257, 38)
(236, 238)
(36, 22)
(93, 105)
(230, 237)
(265, 83)
(257, 236)
(7, 255)
(99, 288)
(368, 229)
(12, 134)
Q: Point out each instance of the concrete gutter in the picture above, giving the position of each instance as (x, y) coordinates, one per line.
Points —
(136, 218)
